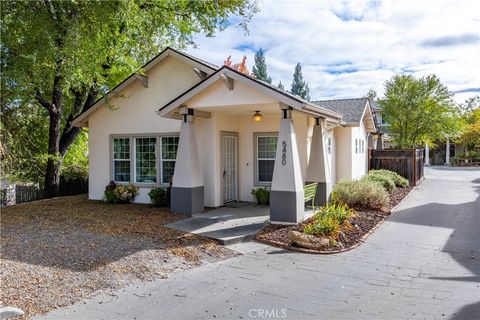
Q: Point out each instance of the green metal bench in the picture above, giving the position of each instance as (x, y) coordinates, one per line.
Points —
(309, 192)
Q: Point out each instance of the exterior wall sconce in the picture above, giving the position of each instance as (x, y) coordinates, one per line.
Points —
(257, 116)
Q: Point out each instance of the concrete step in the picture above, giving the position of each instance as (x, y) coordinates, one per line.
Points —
(226, 225)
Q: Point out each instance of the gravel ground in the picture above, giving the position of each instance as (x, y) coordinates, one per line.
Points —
(56, 252)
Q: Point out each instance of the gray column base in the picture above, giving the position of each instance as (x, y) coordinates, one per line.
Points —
(187, 200)
(286, 207)
(323, 193)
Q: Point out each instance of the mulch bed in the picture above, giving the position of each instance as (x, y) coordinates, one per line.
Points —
(58, 251)
(351, 234)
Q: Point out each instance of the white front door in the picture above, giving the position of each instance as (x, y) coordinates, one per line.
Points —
(229, 167)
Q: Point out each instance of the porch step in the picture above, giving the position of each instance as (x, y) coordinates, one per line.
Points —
(226, 225)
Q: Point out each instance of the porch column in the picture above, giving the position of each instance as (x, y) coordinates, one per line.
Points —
(318, 169)
(447, 153)
(380, 142)
(187, 187)
(427, 155)
(286, 197)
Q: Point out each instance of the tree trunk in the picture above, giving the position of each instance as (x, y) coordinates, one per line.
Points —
(54, 163)
(52, 178)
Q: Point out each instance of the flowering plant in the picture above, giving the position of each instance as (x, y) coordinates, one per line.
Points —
(125, 194)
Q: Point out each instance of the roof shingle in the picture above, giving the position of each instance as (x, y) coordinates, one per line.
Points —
(351, 109)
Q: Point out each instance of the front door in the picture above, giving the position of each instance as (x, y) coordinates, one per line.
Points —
(229, 166)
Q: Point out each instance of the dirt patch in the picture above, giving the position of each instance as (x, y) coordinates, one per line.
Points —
(59, 251)
(352, 232)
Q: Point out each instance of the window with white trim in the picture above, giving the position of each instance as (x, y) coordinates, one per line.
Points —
(363, 146)
(329, 145)
(146, 160)
(168, 157)
(265, 149)
(121, 159)
(356, 145)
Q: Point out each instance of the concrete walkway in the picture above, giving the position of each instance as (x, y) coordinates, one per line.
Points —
(422, 263)
(226, 225)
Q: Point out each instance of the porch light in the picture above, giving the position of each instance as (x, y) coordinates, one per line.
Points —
(257, 116)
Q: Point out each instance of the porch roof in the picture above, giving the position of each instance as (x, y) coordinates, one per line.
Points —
(170, 110)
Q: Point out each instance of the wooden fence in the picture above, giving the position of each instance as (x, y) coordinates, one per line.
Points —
(27, 193)
(406, 162)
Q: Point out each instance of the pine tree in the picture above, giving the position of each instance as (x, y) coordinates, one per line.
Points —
(299, 86)
(260, 67)
(280, 86)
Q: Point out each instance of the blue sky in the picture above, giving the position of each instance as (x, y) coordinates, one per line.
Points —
(348, 47)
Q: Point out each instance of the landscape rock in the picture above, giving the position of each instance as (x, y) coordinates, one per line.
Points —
(308, 241)
(10, 312)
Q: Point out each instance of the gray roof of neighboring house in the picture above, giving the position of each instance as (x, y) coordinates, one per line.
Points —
(375, 106)
(351, 109)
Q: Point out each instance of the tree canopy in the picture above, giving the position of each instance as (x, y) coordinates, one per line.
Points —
(470, 133)
(259, 70)
(419, 111)
(60, 56)
(299, 85)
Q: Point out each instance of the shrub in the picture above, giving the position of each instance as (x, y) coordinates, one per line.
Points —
(262, 195)
(384, 180)
(125, 193)
(360, 194)
(159, 197)
(323, 226)
(109, 194)
(341, 212)
(397, 179)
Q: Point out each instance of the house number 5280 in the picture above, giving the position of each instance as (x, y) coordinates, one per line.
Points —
(284, 152)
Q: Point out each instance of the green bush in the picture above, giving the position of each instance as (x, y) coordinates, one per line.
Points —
(159, 197)
(360, 194)
(397, 179)
(109, 194)
(323, 226)
(262, 195)
(384, 180)
(341, 212)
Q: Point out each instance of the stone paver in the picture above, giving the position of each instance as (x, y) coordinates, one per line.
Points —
(422, 263)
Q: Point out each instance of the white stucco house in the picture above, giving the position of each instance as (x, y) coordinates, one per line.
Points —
(217, 134)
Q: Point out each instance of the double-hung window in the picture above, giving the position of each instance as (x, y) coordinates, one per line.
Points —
(329, 145)
(169, 154)
(363, 146)
(266, 146)
(356, 145)
(146, 160)
(121, 159)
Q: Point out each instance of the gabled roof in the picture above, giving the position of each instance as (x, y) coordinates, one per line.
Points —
(282, 96)
(351, 109)
(198, 63)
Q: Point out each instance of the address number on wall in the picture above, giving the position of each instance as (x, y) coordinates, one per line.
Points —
(284, 152)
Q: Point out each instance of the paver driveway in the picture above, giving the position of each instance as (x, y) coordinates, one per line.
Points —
(422, 263)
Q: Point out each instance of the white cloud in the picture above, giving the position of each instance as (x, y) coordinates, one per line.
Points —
(347, 47)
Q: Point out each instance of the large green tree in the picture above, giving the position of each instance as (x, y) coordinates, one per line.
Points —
(259, 70)
(60, 56)
(299, 85)
(419, 111)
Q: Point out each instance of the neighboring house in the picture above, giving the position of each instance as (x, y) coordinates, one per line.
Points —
(381, 140)
(217, 134)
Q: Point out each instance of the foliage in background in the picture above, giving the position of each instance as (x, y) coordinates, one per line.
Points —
(262, 195)
(419, 111)
(360, 194)
(61, 56)
(159, 197)
(280, 86)
(259, 70)
(240, 67)
(299, 85)
(470, 133)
